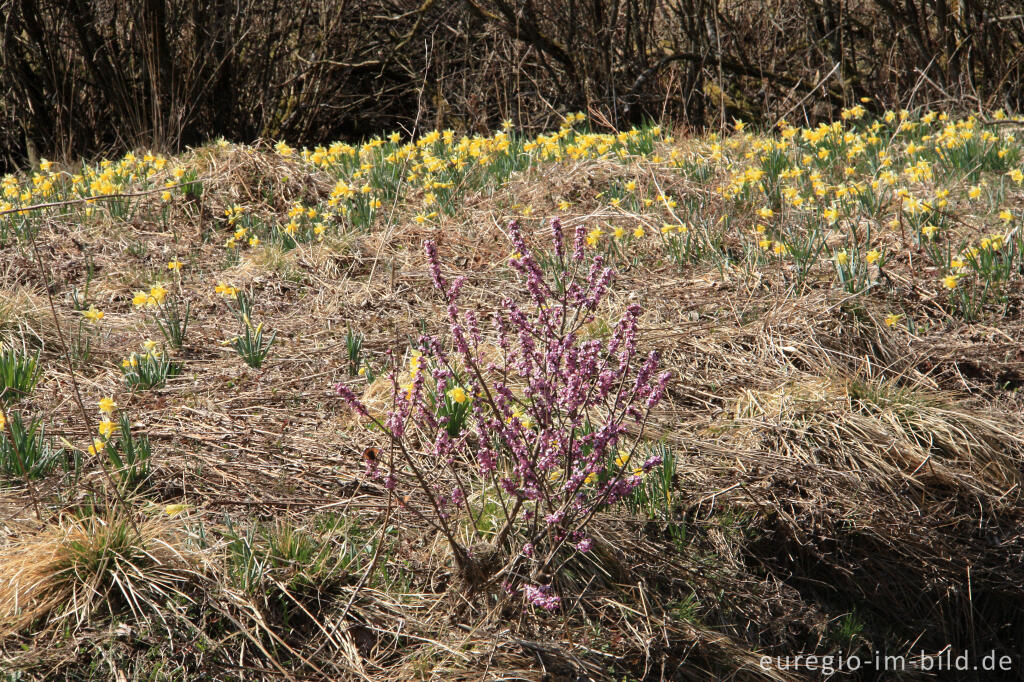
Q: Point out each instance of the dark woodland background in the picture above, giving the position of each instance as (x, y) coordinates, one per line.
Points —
(83, 77)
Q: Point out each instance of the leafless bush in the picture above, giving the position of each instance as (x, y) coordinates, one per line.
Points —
(79, 76)
(701, 60)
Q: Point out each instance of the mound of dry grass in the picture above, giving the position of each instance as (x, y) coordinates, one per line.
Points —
(70, 568)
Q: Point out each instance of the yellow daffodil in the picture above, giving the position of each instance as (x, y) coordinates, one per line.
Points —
(175, 509)
(106, 428)
(225, 290)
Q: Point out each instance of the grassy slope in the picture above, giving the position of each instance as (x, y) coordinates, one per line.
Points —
(841, 482)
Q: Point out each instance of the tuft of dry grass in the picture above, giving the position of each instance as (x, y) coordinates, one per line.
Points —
(68, 569)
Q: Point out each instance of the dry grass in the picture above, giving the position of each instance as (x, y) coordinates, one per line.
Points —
(73, 566)
(838, 480)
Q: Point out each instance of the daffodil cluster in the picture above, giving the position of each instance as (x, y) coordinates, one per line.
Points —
(855, 190)
(431, 173)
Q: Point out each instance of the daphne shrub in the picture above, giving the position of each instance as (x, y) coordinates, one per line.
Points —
(550, 420)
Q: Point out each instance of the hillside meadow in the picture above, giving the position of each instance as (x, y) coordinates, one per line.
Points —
(582, 405)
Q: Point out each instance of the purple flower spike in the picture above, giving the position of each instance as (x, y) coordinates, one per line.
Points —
(540, 595)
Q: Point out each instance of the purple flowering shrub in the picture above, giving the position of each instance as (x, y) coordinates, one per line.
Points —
(549, 425)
